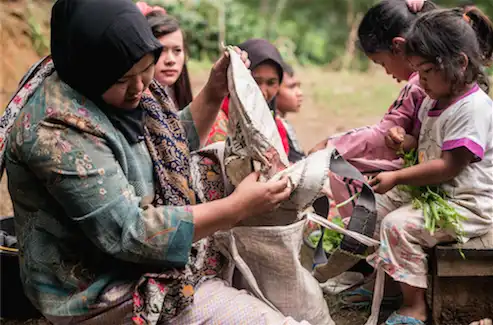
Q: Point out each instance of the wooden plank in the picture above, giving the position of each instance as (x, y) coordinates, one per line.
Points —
(436, 302)
(478, 260)
(465, 268)
(483, 243)
(436, 298)
(454, 254)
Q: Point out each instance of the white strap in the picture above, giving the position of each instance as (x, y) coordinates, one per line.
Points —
(380, 278)
(377, 297)
(357, 236)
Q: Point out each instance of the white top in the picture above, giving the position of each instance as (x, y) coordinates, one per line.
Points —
(468, 123)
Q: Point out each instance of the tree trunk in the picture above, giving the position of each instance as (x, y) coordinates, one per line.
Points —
(353, 20)
(222, 25)
(281, 4)
(264, 13)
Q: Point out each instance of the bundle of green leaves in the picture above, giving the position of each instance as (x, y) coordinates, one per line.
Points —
(432, 200)
(332, 239)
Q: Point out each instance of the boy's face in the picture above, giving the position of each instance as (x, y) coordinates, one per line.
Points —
(290, 95)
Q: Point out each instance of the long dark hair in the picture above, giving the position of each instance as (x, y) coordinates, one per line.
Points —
(443, 36)
(163, 24)
(385, 21)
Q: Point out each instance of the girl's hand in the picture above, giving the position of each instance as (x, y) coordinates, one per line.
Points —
(252, 197)
(383, 182)
(217, 85)
(395, 138)
(415, 5)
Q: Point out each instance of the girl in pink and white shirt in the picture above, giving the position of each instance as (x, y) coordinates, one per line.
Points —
(449, 49)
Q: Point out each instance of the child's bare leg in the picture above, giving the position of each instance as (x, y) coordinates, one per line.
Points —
(402, 257)
(414, 302)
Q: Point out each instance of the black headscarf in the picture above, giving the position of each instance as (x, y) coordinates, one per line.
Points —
(94, 43)
(262, 51)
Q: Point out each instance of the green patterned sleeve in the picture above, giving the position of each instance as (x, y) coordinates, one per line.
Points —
(81, 173)
(188, 124)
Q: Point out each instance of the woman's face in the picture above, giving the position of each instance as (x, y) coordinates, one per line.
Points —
(267, 78)
(127, 91)
(172, 59)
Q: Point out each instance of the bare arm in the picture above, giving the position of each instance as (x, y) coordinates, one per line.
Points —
(436, 171)
(250, 198)
(205, 106)
(433, 172)
(204, 109)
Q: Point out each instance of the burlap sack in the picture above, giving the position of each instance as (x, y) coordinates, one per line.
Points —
(253, 141)
(268, 265)
(263, 251)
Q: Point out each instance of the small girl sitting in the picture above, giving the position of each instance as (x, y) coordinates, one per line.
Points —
(449, 49)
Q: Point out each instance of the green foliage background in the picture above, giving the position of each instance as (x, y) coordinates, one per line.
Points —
(306, 31)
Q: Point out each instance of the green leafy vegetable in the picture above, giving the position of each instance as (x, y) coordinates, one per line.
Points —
(332, 239)
(437, 211)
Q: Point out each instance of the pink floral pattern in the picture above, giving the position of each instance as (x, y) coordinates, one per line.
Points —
(34, 78)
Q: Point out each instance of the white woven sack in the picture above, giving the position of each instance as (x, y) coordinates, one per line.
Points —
(264, 249)
(253, 140)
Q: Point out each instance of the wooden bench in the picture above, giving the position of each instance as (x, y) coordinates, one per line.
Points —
(462, 289)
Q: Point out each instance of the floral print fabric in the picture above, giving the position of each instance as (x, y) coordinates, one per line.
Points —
(82, 195)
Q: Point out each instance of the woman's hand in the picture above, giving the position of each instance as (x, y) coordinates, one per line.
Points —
(415, 5)
(217, 85)
(207, 103)
(395, 138)
(252, 197)
(383, 182)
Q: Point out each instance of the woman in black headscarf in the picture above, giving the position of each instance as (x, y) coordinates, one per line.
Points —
(267, 70)
(99, 175)
(267, 67)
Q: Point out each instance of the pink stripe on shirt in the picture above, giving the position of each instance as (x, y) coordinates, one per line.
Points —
(476, 149)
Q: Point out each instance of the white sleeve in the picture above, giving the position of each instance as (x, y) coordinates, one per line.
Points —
(469, 126)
